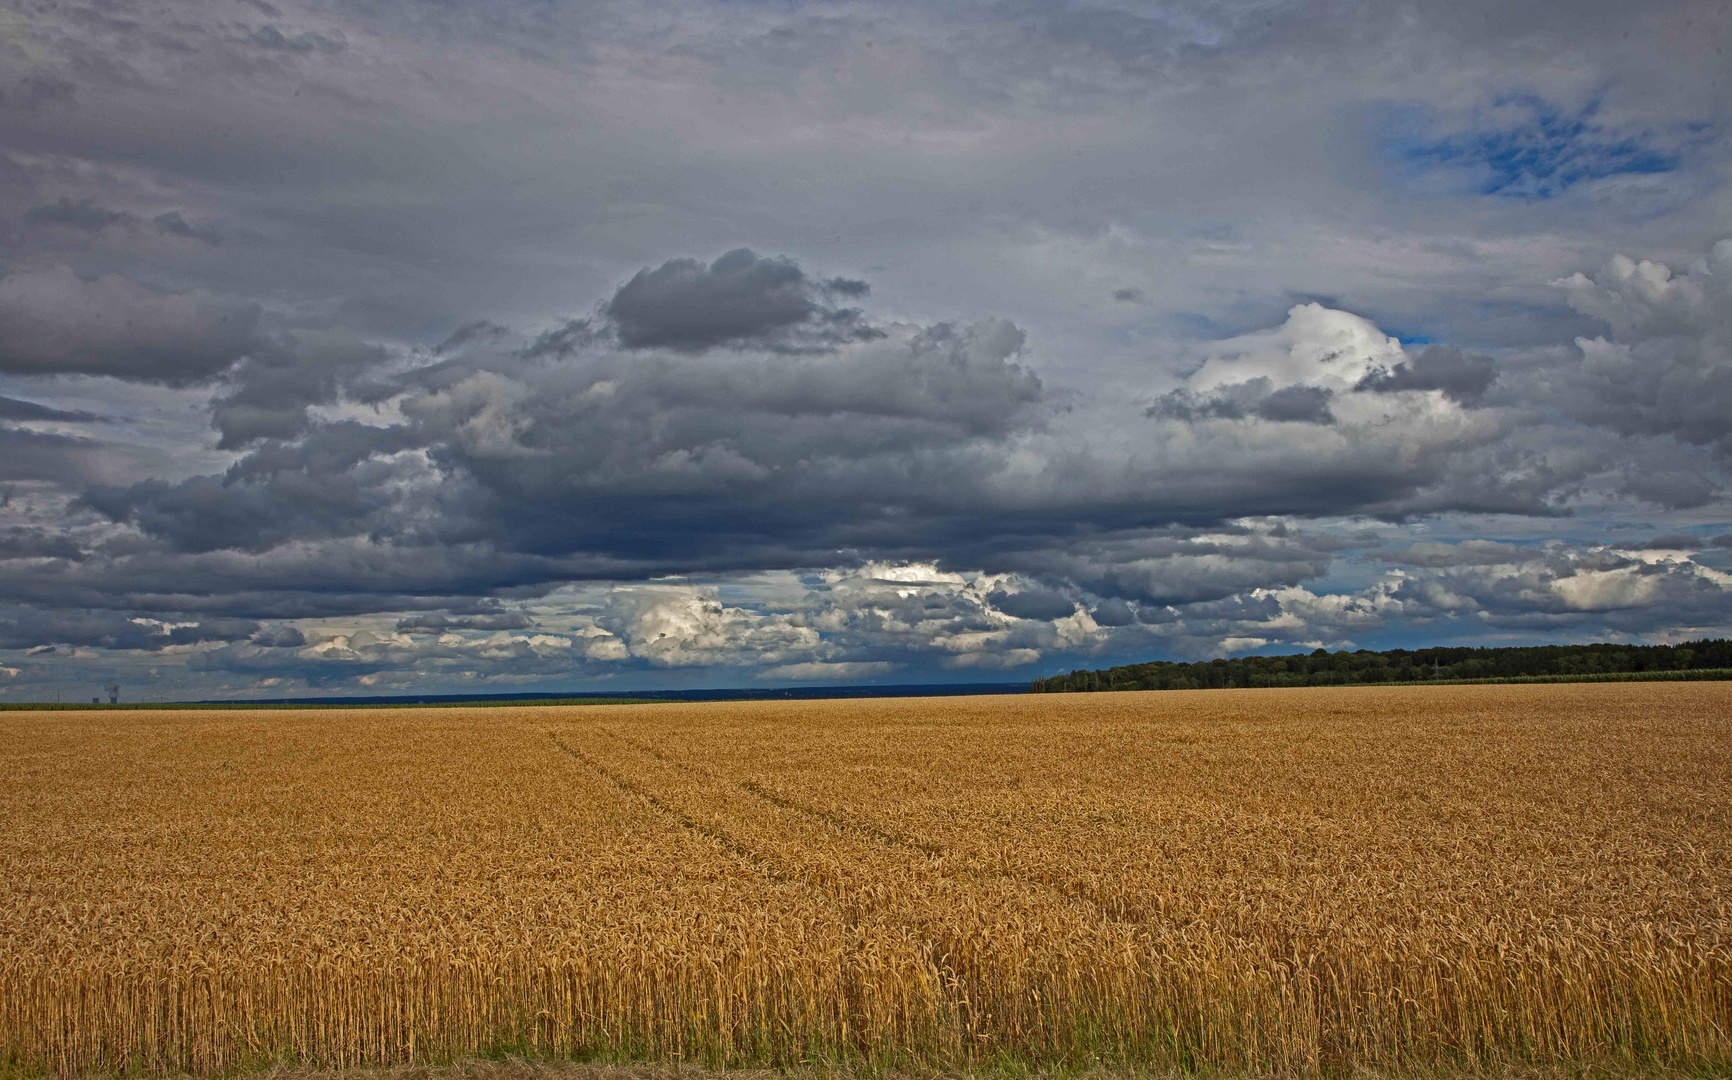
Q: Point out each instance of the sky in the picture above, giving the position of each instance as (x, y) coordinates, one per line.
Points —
(507, 347)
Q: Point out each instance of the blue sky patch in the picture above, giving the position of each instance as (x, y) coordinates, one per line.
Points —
(1525, 148)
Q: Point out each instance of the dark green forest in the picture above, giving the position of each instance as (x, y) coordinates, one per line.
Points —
(1706, 658)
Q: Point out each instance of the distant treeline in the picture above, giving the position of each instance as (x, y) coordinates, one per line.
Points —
(1709, 658)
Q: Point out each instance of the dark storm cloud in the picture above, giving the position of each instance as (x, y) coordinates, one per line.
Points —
(174, 224)
(1665, 368)
(53, 322)
(24, 543)
(1035, 603)
(1174, 566)
(272, 389)
(1563, 587)
(37, 90)
(28, 628)
(738, 299)
(1461, 377)
(84, 214)
(331, 585)
(206, 514)
(1113, 612)
(328, 449)
(1297, 404)
(563, 446)
(730, 459)
(16, 409)
(482, 330)
(1202, 616)
(1256, 398)
(279, 637)
(61, 459)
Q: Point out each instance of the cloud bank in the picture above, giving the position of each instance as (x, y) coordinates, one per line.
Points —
(523, 349)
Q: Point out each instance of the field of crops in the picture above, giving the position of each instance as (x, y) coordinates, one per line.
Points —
(1260, 880)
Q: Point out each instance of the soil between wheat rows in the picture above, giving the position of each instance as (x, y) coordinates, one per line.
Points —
(1295, 881)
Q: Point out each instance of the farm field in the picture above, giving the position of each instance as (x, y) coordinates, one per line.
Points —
(1297, 881)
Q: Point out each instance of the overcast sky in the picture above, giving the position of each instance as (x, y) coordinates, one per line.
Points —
(392, 347)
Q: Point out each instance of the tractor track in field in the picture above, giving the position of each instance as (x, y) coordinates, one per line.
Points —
(888, 838)
(757, 860)
(843, 822)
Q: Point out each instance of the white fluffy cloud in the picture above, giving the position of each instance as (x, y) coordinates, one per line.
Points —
(674, 626)
(1315, 346)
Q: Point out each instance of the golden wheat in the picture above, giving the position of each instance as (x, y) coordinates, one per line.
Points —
(1298, 881)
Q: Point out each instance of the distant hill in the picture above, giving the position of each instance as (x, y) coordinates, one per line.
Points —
(1705, 659)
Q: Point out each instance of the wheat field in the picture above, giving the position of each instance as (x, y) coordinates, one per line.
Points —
(1294, 881)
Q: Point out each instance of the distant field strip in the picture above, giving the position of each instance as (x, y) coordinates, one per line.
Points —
(1291, 881)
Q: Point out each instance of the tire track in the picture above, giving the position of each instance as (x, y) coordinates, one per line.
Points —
(889, 838)
(862, 907)
(835, 819)
(727, 841)
(843, 822)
